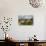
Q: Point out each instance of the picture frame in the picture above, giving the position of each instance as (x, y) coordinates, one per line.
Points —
(25, 20)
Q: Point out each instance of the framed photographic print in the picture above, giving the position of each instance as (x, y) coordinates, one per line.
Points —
(25, 20)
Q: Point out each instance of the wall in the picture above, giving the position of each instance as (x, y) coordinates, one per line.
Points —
(14, 8)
